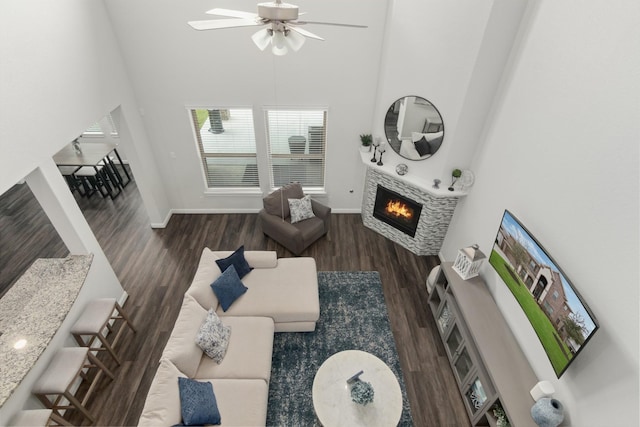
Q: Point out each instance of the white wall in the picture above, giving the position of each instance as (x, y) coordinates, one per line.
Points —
(52, 192)
(409, 48)
(60, 72)
(173, 66)
(561, 150)
(432, 50)
(562, 155)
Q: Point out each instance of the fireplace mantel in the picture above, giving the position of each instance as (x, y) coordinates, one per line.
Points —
(425, 185)
(438, 206)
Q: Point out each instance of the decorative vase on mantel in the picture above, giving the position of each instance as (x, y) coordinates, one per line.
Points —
(547, 412)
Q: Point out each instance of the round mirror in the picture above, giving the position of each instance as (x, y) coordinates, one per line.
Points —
(414, 128)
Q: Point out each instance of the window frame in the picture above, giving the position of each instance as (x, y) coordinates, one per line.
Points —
(322, 155)
(97, 129)
(203, 155)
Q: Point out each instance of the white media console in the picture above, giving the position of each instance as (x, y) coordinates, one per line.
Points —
(486, 360)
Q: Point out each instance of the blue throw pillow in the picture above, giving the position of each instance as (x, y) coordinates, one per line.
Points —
(198, 403)
(228, 287)
(237, 260)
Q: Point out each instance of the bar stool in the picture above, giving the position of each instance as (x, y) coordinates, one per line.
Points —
(99, 179)
(99, 316)
(124, 168)
(38, 417)
(113, 173)
(74, 183)
(67, 366)
(90, 180)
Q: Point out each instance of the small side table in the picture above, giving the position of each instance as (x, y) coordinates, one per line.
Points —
(332, 398)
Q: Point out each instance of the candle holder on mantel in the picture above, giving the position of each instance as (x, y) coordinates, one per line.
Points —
(381, 150)
(375, 144)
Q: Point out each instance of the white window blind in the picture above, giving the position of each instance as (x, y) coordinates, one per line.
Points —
(226, 140)
(98, 128)
(296, 141)
(93, 130)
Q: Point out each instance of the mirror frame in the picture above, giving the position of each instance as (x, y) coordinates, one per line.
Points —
(405, 146)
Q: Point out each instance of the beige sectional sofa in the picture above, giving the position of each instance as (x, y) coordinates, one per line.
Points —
(282, 296)
(284, 289)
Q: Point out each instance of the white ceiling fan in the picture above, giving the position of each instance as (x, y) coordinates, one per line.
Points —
(280, 19)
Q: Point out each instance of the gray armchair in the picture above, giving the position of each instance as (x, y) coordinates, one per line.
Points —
(275, 219)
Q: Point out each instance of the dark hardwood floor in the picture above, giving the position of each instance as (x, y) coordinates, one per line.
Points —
(26, 234)
(156, 267)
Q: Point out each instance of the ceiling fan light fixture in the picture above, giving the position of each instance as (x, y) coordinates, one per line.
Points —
(262, 38)
(279, 51)
(294, 40)
(279, 43)
(281, 19)
(278, 11)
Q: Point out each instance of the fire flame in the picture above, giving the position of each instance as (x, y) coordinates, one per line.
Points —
(398, 209)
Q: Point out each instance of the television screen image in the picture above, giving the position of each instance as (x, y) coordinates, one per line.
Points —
(562, 321)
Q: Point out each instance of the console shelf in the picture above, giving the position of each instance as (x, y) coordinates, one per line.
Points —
(485, 357)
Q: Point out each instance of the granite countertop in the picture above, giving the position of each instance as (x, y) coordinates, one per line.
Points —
(33, 310)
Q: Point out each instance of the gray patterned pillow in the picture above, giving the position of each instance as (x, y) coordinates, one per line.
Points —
(213, 337)
(300, 209)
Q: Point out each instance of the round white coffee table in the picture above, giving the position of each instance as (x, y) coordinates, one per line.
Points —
(332, 399)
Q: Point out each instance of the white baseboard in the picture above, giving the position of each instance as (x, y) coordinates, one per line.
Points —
(164, 223)
(216, 211)
(229, 211)
(346, 211)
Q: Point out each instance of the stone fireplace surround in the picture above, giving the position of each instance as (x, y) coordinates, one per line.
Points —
(437, 209)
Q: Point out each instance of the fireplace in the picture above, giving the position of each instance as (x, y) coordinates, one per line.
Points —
(436, 209)
(397, 210)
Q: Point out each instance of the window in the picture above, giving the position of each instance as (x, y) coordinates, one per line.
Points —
(296, 146)
(97, 129)
(93, 130)
(227, 145)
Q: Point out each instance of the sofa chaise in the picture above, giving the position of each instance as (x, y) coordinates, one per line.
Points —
(282, 296)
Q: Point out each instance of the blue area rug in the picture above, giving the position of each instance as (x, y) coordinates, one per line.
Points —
(353, 316)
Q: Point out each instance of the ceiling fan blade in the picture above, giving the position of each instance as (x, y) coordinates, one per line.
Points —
(330, 23)
(304, 32)
(232, 13)
(216, 24)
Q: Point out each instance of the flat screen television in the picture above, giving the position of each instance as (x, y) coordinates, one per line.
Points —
(559, 316)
